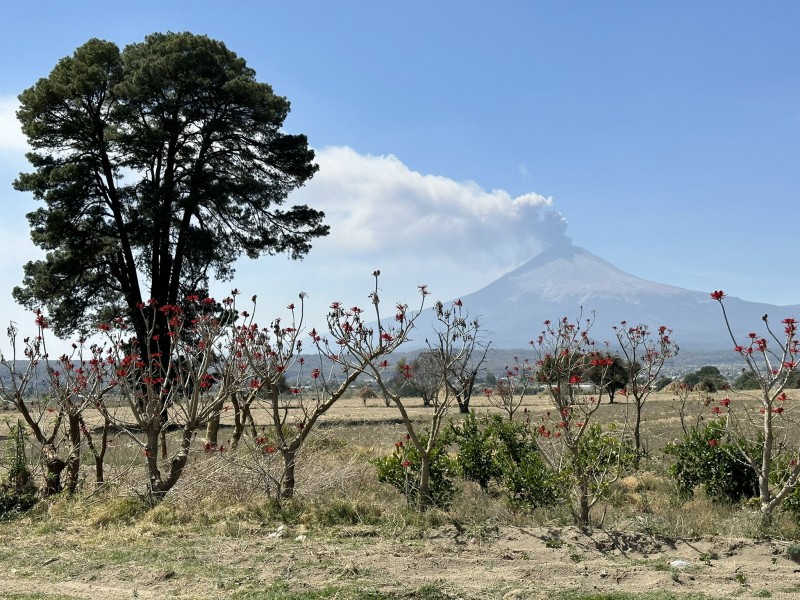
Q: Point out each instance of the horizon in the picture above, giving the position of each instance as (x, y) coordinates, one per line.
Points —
(455, 142)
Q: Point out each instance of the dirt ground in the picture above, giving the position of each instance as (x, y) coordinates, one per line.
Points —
(504, 562)
(486, 561)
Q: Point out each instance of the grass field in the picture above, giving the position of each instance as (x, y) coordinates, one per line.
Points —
(217, 535)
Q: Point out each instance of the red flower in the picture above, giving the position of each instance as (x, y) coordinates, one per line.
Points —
(725, 402)
(405, 464)
(398, 444)
(717, 295)
(713, 442)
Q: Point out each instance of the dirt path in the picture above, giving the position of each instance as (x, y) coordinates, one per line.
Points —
(495, 563)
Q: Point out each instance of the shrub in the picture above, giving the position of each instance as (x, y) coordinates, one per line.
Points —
(661, 383)
(529, 482)
(705, 458)
(17, 491)
(494, 449)
(402, 469)
(476, 457)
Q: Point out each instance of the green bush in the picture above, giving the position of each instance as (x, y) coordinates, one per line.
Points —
(493, 449)
(603, 452)
(747, 381)
(705, 457)
(661, 383)
(529, 482)
(478, 446)
(707, 379)
(17, 491)
(402, 469)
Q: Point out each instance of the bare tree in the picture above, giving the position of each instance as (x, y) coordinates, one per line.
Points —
(454, 337)
(563, 350)
(350, 346)
(765, 439)
(53, 406)
(427, 376)
(511, 389)
(645, 355)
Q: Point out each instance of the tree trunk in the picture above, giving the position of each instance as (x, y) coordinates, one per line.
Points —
(424, 495)
(241, 417)
(99, 455)
(212, 429)
(159, 486)
(74, 457)
(53, 468)
(637, 435)
(584, 507)
(287, 488)
(238, 421)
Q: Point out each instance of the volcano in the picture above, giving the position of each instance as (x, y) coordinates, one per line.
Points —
(565, 280)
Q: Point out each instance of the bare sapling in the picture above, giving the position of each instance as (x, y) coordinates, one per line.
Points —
(269, 353)
(511, 389)
(51, 397)
(453, 339)
(77, 382)
(343, 354)
(569, 444)
(176, 392)
(766, 438)
(463, 372)
(645, 354)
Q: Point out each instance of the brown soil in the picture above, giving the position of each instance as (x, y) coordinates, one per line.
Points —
(501, 563)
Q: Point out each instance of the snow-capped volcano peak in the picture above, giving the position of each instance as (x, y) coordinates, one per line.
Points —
(568, 281)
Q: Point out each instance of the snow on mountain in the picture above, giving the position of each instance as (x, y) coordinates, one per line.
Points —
(568, 281)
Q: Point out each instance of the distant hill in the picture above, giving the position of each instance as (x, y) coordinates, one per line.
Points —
(566, 281)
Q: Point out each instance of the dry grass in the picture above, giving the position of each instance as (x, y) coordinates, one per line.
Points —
(222, 515)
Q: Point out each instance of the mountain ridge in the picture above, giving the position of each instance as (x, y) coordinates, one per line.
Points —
(565, 280)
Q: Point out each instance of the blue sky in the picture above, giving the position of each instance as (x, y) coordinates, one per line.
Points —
(666, 135)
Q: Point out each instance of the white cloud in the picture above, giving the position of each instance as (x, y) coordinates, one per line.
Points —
(377, 205)
(453, 236)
